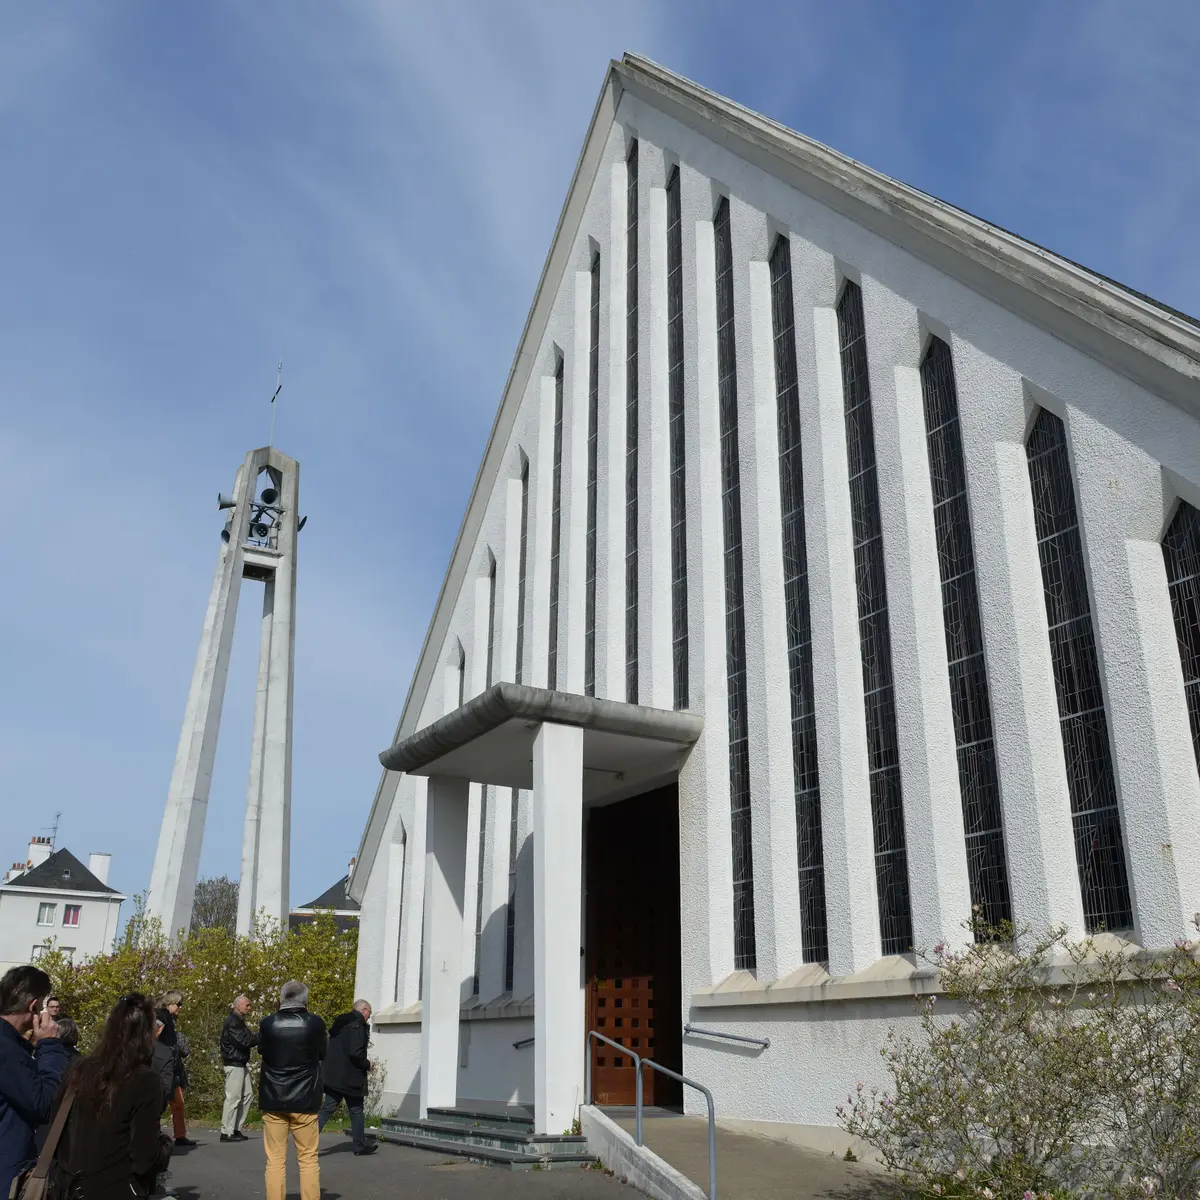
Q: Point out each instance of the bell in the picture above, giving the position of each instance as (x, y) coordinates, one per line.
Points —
(269, 495)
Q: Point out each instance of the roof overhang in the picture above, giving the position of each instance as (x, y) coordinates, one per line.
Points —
(489, 739)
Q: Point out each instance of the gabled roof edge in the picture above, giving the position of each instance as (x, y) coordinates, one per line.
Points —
(527, 346)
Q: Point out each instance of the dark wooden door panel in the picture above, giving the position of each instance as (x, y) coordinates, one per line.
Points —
(633, 993)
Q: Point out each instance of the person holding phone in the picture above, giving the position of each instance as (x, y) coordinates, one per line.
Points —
(29, 1073)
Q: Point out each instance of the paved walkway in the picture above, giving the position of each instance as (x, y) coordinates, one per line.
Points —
(235, 1171)
(750, 1167)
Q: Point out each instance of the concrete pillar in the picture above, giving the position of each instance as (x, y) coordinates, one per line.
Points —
(1121, 498)
(768, 685)
(248, 889)
(177, 859)
(851, 894)
(272, 896)
(445, 878)
(993, 413)
(558, 1023)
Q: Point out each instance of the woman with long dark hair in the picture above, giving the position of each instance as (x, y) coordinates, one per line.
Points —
(110, 1147)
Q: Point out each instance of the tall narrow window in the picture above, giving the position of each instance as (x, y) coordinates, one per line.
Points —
(887, 808)
(510, 909)
(521, 565)
(679, 602)
(462, 675)
(631, 428)
(814, 941)
(485, 790)
(978, 780)
(1181, 549)
(589, 619)
(744, 955)
(555, 529)
(1099, 847)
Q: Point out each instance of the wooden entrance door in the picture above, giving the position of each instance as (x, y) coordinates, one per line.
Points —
(633, 968)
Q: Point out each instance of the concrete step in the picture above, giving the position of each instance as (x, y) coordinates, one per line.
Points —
(492, 1156)
(498, 1117)
(520, 1140)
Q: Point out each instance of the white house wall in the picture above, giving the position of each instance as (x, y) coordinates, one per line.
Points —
(1134, 455)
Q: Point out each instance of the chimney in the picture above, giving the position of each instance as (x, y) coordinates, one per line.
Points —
(13, 871)
(39, 851)
(98, 865)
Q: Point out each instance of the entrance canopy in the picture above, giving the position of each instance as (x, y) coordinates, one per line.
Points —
(489, 739)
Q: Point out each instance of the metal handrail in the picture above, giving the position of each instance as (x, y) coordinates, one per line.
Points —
(733, 1037)
(523, 1043)
(712, 1118)
(637, 1063)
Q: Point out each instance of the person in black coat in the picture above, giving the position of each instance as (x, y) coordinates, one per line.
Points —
(291, 1043)
(345, 1072)
(168, 1010)
(110, 1147)
(29, 1075)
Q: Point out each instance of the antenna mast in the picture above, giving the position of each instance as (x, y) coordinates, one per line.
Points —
(275, 396)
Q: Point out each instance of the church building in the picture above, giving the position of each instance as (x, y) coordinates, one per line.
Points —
(830, 577)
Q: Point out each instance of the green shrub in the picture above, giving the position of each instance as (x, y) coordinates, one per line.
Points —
(1047, 1068)
(211, 967)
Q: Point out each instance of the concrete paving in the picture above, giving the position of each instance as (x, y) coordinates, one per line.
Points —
(751, 1167)
(235, 1171)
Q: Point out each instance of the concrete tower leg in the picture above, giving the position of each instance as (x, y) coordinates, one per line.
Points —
(271, 878)
(247, 897)
(177, 859)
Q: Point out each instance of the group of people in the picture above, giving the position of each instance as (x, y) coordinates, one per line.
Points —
(104, 1108)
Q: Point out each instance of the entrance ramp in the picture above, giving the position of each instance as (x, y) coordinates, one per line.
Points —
(672, 1163)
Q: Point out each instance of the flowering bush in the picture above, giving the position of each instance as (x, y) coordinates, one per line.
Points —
(1045, 1067)
(211, 967)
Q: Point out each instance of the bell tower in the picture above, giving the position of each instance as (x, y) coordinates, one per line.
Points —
(258, 543)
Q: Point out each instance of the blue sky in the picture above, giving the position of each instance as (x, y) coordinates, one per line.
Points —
(371, 188)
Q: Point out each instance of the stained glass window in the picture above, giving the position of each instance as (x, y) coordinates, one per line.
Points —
(1181, 549)
(887, 808)
(631, 428)
(978, 779)
(744, 952)
(589, 619)
(679, 601)
(555, 529)
(1099, 846)
(807, 787)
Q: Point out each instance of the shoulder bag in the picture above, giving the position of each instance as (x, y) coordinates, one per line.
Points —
(34, 1184)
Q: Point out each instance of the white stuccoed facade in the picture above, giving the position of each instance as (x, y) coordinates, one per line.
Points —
(1026, 331)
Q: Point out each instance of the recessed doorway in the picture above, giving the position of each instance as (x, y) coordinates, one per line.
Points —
(633, 945)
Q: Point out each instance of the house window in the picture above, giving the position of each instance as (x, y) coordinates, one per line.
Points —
(744, 950)
(71, 913)
(887, 808)
(978, 779)
(39, 952)
(814, 942)
(589, 619)
(46, 913)
(521, 563)
(555, 529)
(679, 605)
(1099, 846)
(631, 429)
(1181, 550)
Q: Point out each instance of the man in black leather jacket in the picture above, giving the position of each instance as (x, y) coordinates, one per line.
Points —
(292, 1044)
(236, 1043)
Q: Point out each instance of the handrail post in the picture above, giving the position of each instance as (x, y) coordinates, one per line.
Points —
(637, 1119)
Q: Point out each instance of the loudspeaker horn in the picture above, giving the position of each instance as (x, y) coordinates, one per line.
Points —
(269, 495)
(303, 521)
(224, 501)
